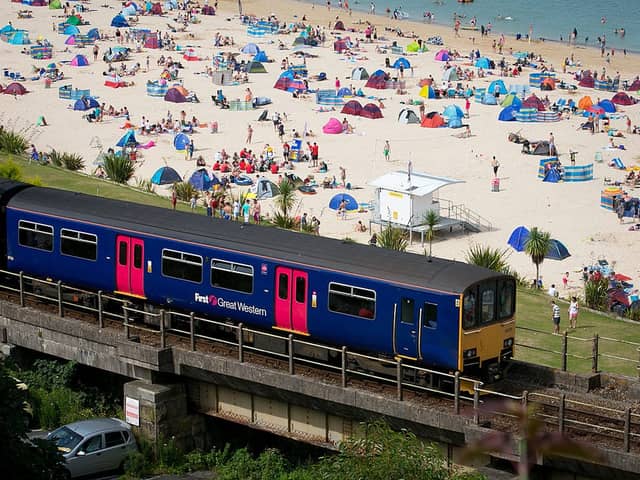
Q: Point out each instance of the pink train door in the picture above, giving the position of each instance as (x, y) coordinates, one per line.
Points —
(130, 265)
(291, 299)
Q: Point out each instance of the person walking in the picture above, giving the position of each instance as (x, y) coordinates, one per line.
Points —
(573, 313)
(467, 107)
(246, 210)
(495, 164)
(555, 315)
(174, 197)
(386, 150)
(343, 176)
(249, 133)
(552, 145)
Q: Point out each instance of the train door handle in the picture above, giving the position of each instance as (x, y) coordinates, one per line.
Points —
(413, 332)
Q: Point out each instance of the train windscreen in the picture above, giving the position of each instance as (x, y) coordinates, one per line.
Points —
(487, 302)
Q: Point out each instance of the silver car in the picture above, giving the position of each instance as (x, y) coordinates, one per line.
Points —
(94, 446)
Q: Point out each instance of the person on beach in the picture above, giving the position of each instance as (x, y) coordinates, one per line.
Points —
(249, 134)
(343, 176)
(555, 317)
(174, 197)
(573, 313)
(386, 150)
(495, 165)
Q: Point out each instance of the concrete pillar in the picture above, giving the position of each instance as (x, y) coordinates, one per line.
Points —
(163, 415)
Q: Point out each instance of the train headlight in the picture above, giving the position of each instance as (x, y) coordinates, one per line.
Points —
(508, 342)
(472, 352)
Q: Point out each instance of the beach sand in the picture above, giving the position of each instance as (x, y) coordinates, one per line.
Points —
(571, 212)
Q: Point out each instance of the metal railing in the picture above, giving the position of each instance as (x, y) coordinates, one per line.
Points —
(462, 213)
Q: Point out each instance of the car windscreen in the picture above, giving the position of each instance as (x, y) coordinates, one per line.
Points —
(65, 439)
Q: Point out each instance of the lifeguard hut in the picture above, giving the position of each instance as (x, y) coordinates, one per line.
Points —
(404, 198)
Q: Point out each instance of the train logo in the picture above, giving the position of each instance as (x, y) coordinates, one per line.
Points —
(230, 304)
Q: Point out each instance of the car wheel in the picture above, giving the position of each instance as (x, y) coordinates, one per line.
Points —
(66, 474)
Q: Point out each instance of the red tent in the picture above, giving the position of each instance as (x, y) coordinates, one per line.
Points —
(352, 107)
(333, 126)
(339, 25)
(534, 102)
(635, 86)
(156, 9)
(432, 120)
(587, 80)
(341, 45)
(622, 98)
(371, 110)
(377, 81)
(15, 88)
(282, 83)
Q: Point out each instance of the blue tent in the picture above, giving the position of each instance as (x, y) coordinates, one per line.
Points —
(261, 56)
(377, 72)
(497, 86)
(93, 34)
(336, 200)
(455, 122)
(165, 176)
(170, 5)
(482, 63)
(127, 139)
(508, 114)
(453, 111)
(401, 62)
(518, 238)
(85, 103)
(250, 48)
(7, 29)
(261, 101)
(557, 251)
(71, 30)
(21, 37)
(344, 91)
(118, 21)
(287, 74)
(200, 180)
(129, 11)
(552, 175)
(489, 99)
(607, 105)
(181, 141)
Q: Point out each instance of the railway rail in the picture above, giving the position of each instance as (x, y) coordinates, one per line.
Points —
(590, 417)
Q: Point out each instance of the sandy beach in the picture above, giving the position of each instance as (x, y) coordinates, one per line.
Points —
(571, 212)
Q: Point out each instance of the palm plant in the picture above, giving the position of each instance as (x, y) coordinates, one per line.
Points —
(72, 161)
(12, 142)
(185, 191)
(286, 199)
(393, 238)
(118, 168)
(537, 246)
(431, 219)
(492, 258)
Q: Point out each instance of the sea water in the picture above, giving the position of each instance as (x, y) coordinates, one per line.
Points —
(549, 19)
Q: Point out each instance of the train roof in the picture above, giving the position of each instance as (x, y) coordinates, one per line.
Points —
(327, 253)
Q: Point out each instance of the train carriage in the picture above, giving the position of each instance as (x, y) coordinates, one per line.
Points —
(438, 313)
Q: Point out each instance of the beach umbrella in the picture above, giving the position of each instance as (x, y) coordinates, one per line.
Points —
(336, 200)
(557, 251)
(165, 176)
(518, 238)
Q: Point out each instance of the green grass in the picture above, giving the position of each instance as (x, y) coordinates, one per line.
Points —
(533, 308)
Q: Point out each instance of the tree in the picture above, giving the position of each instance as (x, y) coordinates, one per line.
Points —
(431, 219)
(36, 459)
(537, 246)
(284, 202)
(488, 257)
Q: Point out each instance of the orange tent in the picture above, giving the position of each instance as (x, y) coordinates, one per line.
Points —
(182, 90)
(585, 102)
(432, 120)
(548, 84)
(425, 81)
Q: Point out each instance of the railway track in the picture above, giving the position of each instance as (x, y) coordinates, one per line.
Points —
(605, 417)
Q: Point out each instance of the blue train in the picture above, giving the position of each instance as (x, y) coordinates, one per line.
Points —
(442, 314)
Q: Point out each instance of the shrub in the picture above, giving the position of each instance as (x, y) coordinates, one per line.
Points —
(118, 168)
(12, 142)
(595, 293)
(184, 191)
(285, 221)
(145, 185)
(10, 170)
(393, 238)
(72, 161)
(55, 157)
(488, 257)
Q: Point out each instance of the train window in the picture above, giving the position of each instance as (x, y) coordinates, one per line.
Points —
(469, 310)
(506, 298)
(232, 276)
(283, 286)
(180, 265)
(430, 315)
(301, 289)
(137, 257)
(35, 235)
(407, 311)
(123, 253)
(488, 306)
(359, 302)
(78, 244)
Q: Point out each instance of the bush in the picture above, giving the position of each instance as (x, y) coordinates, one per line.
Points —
(10, 170)
(12, 142)
(393, 238)
(55, 157)
(72, 161)
(184, 191)
(285, 221)
(118, 168)
(488, 257)
(145, 185)
(595, 293)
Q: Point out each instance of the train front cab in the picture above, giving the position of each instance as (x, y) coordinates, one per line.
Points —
(487, 328)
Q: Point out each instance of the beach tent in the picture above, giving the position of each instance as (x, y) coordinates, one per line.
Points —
(497, 86)
(489, 99)
(261, 56)
(551, 175)
(450, 75)
(264, 188)
(165, 176)
(127, 140)
(425, 81)
(557, 251)
(508, 114)
(341, 45)
(73, 20)
(622, 98)
(55, 4)
(299, 41)
(401, 62)
(378, 73)
(7, 30)
(414, 47)
(407, 115)
(376, 81)
(174, 95)
(432, 120)
(20, 37)
(261, 101)
(85, 103)
(181, 141)
(594, 110)
(607, 106)
(541, 148)
(520, 90)
(511, 100)
(635, 85)
(442, 56)
(190, 55)
(338, 25)
(585, 102)
(71, 40)
(359, 73)
(287, 74)
(352, 107)
(452, 111)
(156, 9)
(71, 30)
(114, 81)
(79, 61)
(483, 62)
(15, 88)
(371, 110)
(344, 91)
(548, 83)
(296, 85)
(534, 102)
(282, 83)
(256, 67)
(587, 80)
(200, 180)
(518, 238)
(427, 92)
(119, 22)
(336, 200)
(171, 4)
(332, 127)
(129, 11)
(250, 48)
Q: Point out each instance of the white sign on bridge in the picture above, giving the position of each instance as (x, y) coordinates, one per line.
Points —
(132, 411)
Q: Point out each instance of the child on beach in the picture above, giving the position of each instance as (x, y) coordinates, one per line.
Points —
(573, 313)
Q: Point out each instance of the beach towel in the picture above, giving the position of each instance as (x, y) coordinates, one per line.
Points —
(148, 145)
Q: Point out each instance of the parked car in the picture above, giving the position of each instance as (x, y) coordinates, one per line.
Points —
(94, 446)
